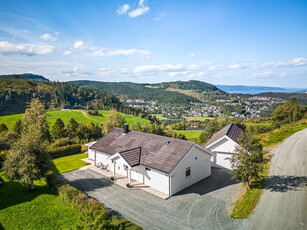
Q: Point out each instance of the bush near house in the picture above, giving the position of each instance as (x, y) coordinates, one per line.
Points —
(65, 151)
(95, 216)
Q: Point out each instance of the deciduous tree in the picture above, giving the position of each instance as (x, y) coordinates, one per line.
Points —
(114, 119)
(247, 161)
(28, 159)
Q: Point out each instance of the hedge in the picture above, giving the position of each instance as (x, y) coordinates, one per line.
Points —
(95, 216)
(65, 151)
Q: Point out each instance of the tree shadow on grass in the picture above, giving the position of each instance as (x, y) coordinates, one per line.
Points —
(285, 183)
(14, 193)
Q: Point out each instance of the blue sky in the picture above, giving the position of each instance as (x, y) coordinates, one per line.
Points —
(220, 42)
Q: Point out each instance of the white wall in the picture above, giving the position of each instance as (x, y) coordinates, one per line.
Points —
(102, 157)
(153, 178)
(223, 149)
(91, 154)
(200, 169)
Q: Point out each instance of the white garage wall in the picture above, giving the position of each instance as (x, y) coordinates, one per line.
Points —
(223, 149)
(102, 157)
(200, 163)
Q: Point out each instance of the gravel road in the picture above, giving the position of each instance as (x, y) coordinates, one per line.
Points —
(201, 206)
(283, 203)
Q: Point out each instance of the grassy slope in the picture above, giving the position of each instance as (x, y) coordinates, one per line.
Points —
(40, 209)
(246, 204)
(10, 120)
(191, 135)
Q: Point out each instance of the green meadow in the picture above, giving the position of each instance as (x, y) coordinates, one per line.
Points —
(80, 116)
(191, 135)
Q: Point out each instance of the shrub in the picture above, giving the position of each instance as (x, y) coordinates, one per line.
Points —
(53, 182)
(65, 151)
(68, 193)
(62, 142)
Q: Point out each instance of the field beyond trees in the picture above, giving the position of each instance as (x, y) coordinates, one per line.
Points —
(78, 115)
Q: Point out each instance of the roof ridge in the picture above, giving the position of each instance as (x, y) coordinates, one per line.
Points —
(162, 136)
(230, 127)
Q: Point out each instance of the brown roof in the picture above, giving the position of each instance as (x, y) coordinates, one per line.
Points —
(232, 131)
(158, 152)
(132, 156)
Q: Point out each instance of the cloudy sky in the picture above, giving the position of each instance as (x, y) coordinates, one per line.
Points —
(221, 42)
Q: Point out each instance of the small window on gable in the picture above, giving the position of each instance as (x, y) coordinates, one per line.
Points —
(188, 172)
(148, 169)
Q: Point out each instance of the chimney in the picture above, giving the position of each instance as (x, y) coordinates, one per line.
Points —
(126, 129)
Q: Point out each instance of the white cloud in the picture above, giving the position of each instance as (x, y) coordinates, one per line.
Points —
(140, 10)
(299, 61)
(78, 44)
(7, 48)
(49, 36)
(102, 51)
(67, 52)
(122, 9)
(192, 55)
(159, 68)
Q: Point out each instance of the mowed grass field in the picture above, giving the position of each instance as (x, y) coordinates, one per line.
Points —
(40, 209)
(191, 135)
(80, 116)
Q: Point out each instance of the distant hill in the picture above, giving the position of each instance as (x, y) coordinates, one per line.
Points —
(197, 86)
(147, 92)
(242, 89)
(28, 76)
(16, 94)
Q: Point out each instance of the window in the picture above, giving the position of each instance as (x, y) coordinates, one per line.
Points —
(188, 172)
(148, 169)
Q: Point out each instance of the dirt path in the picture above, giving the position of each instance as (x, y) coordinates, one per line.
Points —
(87, 116)
(283, 202)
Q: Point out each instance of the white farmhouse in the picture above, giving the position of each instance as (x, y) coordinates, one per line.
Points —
(163, 163)
(223, 143)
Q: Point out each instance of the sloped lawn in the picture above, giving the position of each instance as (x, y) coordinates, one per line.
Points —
(39, 209)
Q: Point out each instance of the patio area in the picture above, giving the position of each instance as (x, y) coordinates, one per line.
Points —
(123, 180)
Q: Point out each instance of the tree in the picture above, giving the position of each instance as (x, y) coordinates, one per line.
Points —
(287, 113)
(18, 127)
(28, 159)
(72, 128)
(114, 119)
(58, 129)
(211, 128)
(247, 161)
(3, 128)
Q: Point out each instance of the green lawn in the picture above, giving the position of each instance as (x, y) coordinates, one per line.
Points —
(129, 118)
(191, 135)
(201, 118)
(40, 209)
(10, 120)
(68, 163)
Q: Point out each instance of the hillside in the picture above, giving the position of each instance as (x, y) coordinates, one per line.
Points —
(178, 92)
(129, 90)
(28, 76)
(16, 93)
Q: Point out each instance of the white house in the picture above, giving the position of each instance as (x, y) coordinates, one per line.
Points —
(163, 163)
(223, 143)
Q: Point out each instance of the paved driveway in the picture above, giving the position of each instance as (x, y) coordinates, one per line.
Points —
(201, 206)
(283, 202)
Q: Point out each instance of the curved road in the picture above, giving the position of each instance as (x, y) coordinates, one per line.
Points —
(283, 202)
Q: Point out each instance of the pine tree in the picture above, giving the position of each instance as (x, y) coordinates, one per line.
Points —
(58, 129)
